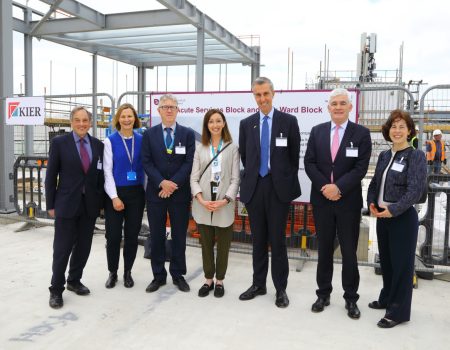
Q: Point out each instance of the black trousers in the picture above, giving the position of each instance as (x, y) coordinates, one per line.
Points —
(268, 217)
(179, 219)
(332, 220)
(133, 198)
(397, 239)
(73, 238)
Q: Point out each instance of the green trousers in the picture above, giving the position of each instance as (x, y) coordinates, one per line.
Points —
(208, 237)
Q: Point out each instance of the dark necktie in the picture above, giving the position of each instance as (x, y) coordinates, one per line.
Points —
(168, 137)
(264, 166)
(85, 162)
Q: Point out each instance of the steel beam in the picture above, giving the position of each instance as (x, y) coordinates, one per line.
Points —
(6, 90)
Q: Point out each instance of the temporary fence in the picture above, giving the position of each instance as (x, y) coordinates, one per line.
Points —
(301, 240)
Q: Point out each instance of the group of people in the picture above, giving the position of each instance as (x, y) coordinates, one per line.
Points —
(177, 172)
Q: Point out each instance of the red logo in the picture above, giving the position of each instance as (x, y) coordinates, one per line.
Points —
(11, 108)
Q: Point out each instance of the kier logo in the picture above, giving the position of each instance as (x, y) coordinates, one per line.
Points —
(12, 109)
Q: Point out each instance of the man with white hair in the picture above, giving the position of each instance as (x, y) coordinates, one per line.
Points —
(336, 160)
(436, 153)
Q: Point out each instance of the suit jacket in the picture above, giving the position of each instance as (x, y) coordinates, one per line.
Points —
(284, 161)
(348, 172)
(401, 188)
(65, 178)
(159, 165)
(229, 184)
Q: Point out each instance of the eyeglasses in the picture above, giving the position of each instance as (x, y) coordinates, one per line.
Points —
(168, 108)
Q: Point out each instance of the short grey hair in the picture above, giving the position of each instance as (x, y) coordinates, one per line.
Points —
(166, 97)
(261, 81)
(80, 108)
(340, 92)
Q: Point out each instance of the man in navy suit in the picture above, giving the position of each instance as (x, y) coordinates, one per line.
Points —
(74, 197)
(167, 156)
(336, 161)
(269, 143)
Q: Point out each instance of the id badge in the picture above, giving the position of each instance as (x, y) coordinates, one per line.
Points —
(99, 165)
(398, 167)
(215, 189)
(131, 176)
(215, 167)
(351, 152)
(281, 142)
(180, 150)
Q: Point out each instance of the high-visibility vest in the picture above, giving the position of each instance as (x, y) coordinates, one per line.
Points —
(432, 153)
(412, 142)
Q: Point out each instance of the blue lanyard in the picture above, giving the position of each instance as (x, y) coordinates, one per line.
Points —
(218, 148)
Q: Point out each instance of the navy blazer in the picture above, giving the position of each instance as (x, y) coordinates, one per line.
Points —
(159, 165)
(404, 188)
(348, 172)
(284, 161)
(65, 178)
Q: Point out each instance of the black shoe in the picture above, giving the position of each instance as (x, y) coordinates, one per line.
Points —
(154, 286)
(204, 290)
(353, 311)
(320, 304)
(376, 305)
(182, 285)
(78, 288)
(386, 323)
(111, 281)
(282, 299)
(252, 292)
(127, 279)
(219, 291)
(56, 301)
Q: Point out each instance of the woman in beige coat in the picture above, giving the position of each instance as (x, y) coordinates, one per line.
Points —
(214, 185)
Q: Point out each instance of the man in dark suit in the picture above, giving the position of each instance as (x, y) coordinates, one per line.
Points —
(167, 156)
(336, 160)
(269, 143)
(74, 197)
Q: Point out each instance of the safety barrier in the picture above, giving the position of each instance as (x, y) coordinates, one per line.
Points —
(29, 196)
(434, 250)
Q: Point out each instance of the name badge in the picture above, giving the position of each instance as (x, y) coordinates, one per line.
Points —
(180, 149)
(99, 165)
(215, 189)
(281, 141)
(215, 167)
(396, 166)
(131, 176)
(351, 152)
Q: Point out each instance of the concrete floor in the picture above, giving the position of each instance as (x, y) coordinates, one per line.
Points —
(123, 318)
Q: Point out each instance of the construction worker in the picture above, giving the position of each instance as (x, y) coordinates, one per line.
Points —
(414, 142)
(436, 153)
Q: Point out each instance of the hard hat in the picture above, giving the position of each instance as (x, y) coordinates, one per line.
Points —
(437, 132)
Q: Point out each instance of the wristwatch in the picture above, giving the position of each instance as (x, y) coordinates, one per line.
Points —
(228, 199)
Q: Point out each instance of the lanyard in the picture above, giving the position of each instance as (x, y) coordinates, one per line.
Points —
(218, 148)
(130, 156)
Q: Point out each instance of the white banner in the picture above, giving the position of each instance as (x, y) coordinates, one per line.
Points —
(309, 106)
(25, 111)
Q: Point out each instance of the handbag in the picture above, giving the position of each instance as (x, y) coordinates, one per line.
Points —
(212, 159)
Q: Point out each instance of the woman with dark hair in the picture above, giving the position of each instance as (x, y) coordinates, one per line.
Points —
(214, 185)
(398, 183)
(124, 184)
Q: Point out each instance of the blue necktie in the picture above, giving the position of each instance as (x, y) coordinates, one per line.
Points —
(264, 166)
(168, 137)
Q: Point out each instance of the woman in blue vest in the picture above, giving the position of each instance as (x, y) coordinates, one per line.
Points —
(124, 184)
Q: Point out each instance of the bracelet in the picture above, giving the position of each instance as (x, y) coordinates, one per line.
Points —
(228, 199)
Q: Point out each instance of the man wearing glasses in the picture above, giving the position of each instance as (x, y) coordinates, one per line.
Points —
(167, 155)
